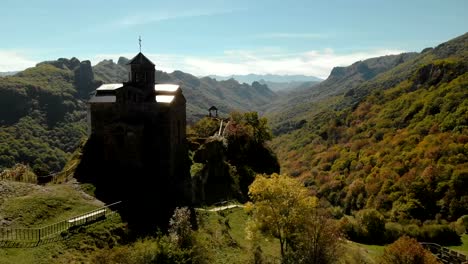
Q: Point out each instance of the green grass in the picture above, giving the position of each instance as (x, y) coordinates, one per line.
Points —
(44, 205)
(77, 248)
(373, 250)
(28, 205)
(225, 236)
(463, 248)
(356, 253)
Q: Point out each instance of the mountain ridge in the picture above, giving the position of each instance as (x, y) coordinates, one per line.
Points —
(201, 93)
(288, 111)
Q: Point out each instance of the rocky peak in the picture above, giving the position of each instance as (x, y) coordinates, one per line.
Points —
(122, 61)
(84, 78)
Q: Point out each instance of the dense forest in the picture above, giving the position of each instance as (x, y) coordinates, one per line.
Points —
(396, 143)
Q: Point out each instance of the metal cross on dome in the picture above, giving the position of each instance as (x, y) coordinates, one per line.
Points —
(139, 41)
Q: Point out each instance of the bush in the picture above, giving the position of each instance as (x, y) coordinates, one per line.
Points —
(411, 230)
(462, 222)
(407, 250)
(372, 226)
(440, 234)
(368, 227)
(349, 227)
(159, 250)
(393, 231)
(20, 173)
(179, 246)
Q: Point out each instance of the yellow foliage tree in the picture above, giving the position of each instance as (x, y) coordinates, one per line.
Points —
(280, 206)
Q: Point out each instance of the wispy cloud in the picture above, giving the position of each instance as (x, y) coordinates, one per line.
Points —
(284, 35)
(11, 60)
(146, 17)
(317, 63)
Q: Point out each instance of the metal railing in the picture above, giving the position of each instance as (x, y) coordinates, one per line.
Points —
(445, 255)
(36, 235)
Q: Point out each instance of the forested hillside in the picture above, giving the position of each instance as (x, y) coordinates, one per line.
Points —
(397, 142)
(43, 114)
(292, 110)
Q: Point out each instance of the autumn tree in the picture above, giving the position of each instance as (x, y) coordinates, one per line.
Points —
(283, 208)
(318, 240)
(206, 127)
(407, 250)
(279, 206)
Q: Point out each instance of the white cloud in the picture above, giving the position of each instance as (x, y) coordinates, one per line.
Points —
(11, 60)
(284, 35)
(317, 63)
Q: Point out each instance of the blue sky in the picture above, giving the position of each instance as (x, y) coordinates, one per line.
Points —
(226, 37)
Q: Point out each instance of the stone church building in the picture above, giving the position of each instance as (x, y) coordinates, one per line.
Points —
(137, 150)
(128, 116)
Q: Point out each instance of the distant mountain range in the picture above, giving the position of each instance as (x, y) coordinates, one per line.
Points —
(288, 86)
(8, 73)
(249, 78)
(275, 82)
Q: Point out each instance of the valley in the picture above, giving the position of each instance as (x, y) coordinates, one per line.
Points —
(380, 146)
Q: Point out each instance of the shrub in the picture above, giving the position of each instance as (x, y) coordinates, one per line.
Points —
(159, 250)
(392, 232)
(412, 230)
(407, 250)
(349, 227)
(463, 223)
(20, 173)
(372, 225)
(440, 234)
(180, 228)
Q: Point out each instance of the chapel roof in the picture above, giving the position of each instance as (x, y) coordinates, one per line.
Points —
(140, 59)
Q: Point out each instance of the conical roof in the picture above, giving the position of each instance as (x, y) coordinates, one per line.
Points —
(140, 59)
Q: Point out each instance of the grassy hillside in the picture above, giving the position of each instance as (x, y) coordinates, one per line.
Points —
(399, 147)
(43, 113)
(24, 205)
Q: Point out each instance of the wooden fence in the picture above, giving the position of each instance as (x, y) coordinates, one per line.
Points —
(26, 237)
(445, 255)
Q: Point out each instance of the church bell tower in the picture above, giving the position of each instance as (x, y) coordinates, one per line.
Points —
(142, 72)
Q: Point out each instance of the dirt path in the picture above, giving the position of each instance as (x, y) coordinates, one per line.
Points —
(221, 208)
